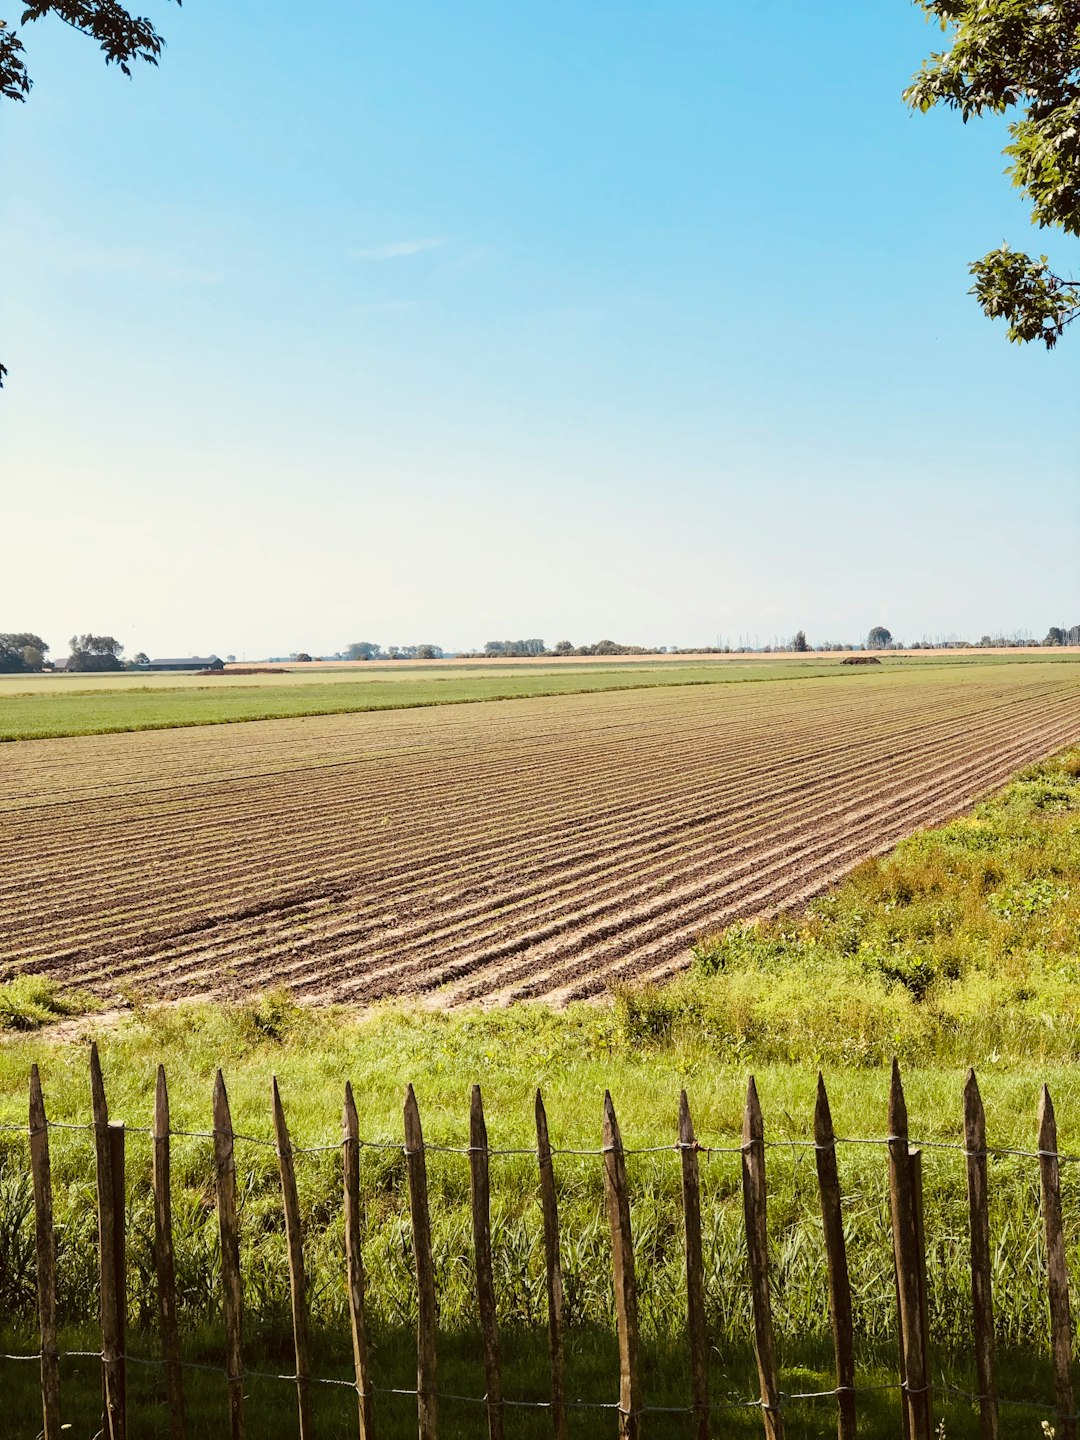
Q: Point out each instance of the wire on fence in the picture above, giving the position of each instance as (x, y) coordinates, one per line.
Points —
(705, 1150)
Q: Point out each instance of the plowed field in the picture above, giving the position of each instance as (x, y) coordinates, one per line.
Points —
(540, 847)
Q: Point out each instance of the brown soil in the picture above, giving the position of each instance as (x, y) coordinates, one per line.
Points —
(544, 848)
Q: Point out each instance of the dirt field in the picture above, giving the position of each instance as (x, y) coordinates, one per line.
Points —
(541, 847)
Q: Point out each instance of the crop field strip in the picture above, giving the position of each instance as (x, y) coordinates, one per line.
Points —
(540, 848)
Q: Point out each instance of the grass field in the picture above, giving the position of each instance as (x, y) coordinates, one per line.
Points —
(48, 706)
(549, 847)
(43, 707)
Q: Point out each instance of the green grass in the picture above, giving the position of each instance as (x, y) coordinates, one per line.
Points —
(574, 1057)
(962, 946)
(48, 707)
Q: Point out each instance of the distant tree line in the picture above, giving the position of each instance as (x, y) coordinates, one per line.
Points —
(369, 650)
(495, 649)
(24, 653)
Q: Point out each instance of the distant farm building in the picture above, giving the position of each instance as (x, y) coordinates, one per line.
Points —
(189, 662)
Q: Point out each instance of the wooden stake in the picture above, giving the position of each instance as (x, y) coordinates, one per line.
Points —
(45, 1242)
(832, 1219)
(480, 1178)
(114, 1423)
(354, 1264)
(757, 1250)
(119, 1190)
(914, 1374)
(297, 1279)
(228, 1228)
(1056, 1270)
(916, 1171)
(982, 1304)
(553, 1272)
(695, 1271)
(426, 1397)
(164, 1261)
(622, 1256)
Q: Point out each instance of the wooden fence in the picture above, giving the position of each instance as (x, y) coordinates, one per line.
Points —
(914, 1385)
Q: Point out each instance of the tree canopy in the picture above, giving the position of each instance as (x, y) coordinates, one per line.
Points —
(21, 651)
(95, 652)
(879, 638)
(1018, 55)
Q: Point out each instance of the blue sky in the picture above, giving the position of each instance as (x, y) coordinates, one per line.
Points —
(452, 322)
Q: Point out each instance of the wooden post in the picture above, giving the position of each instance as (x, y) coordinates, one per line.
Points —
(757, 1251)
(354, 1264)
(915, 1166)
(114, 1423)
(119, 1190)
(228, 1229)
(297, 1279)
(1056, 1271)
(164, 1261)
(914, 1373)
(982, 1304)
(45, 1243)
(622, 1258)
(832, 1219)
(480, 1181)
(695, 1271)
(549, 1205)
(426, 1397)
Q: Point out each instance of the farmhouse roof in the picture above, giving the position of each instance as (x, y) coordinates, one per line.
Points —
(186, 660)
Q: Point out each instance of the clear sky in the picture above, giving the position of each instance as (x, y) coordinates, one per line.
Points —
(640, 319)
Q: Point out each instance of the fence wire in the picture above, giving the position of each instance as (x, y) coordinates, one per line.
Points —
(941, 1389)
(705, 1150)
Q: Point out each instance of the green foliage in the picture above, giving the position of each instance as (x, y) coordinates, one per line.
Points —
(121, 36)
(95, 652)
(1037, 303)
(31, 1001)
(21, 652)
(1006, 54)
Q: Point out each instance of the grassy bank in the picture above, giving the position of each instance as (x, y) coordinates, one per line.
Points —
(574, 1057)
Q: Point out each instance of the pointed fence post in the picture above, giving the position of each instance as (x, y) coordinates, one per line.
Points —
(45, 1244)
(228, 1229)
(549, 1205)
(757, 1251)
(297, 1279)
(695, 1271)
(1057, 1274)
(164, 1260)
(982, 1304)
(426, 1396)
(480, 1180)
(832, 1219)
(908, 1260)
(354, 1264)
(622, 1259)
(111, 1264)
